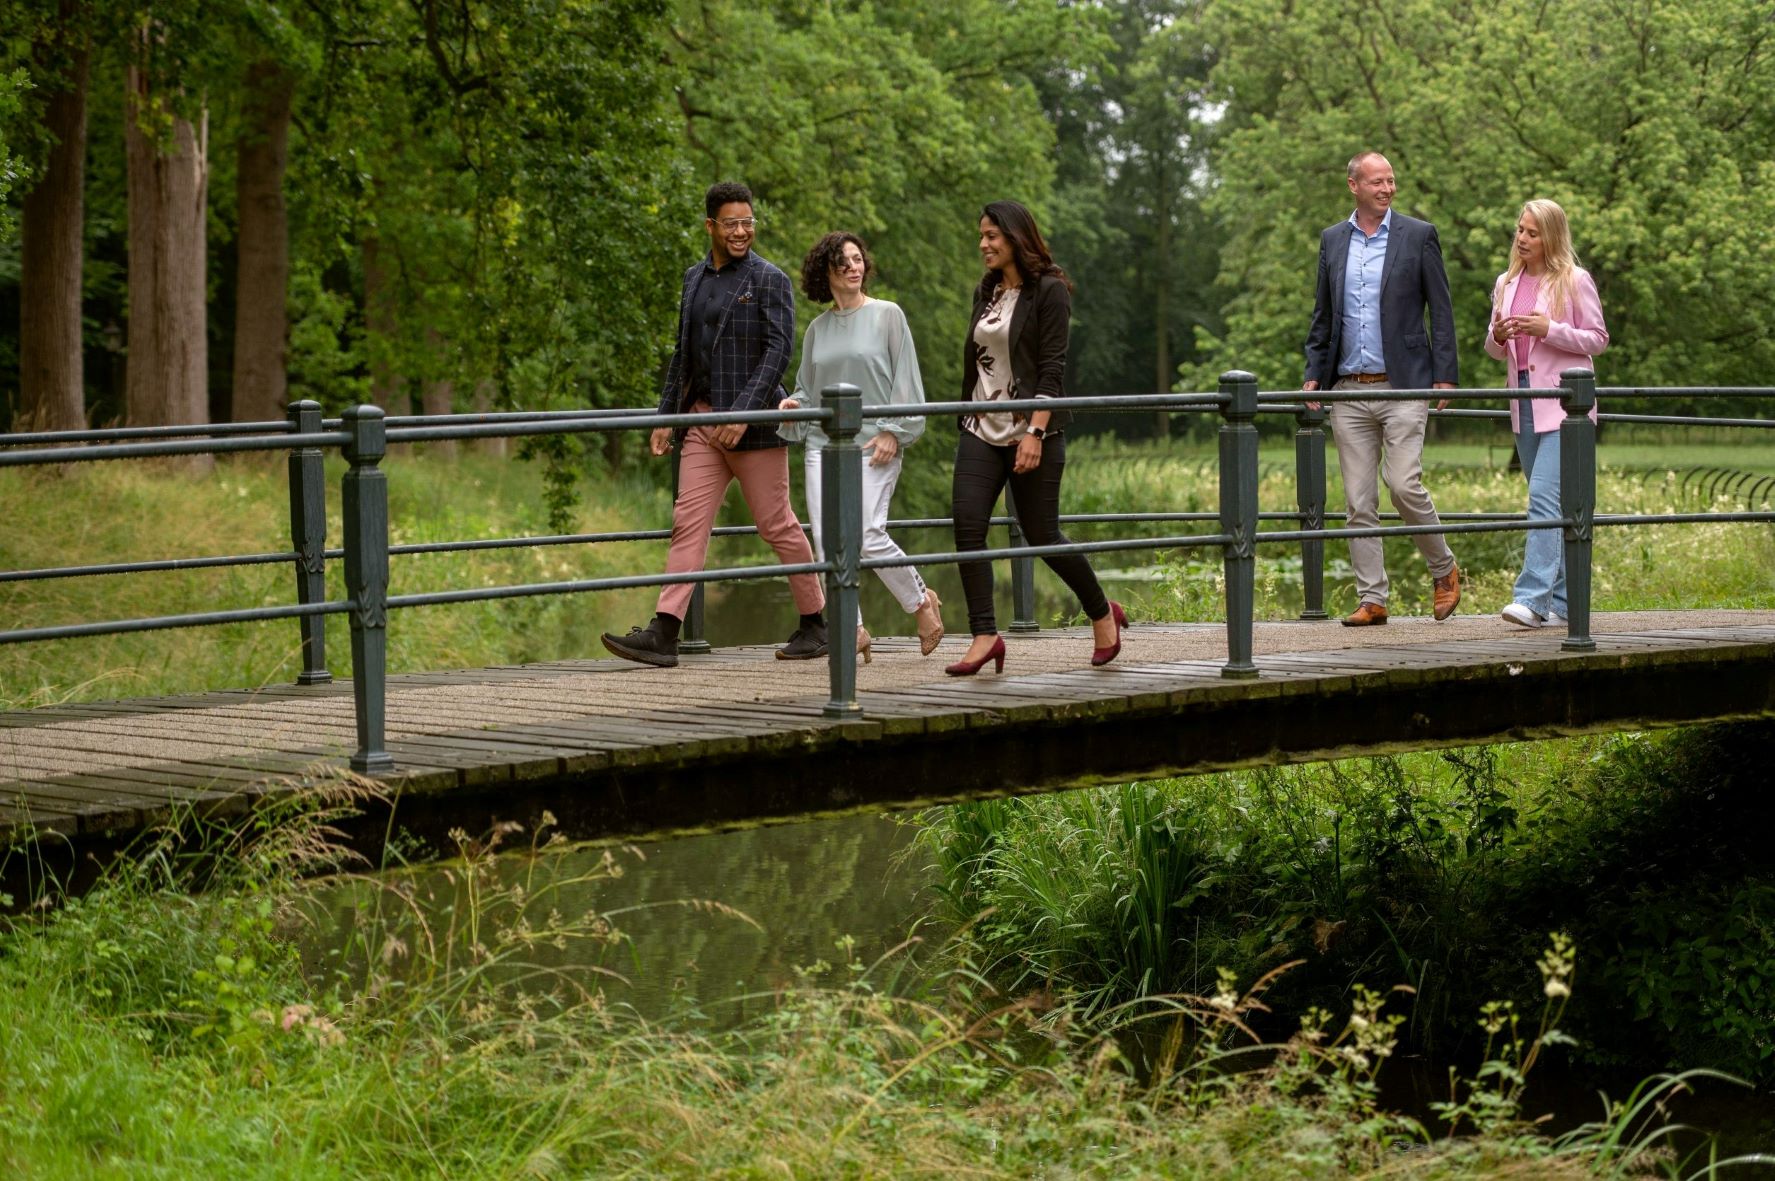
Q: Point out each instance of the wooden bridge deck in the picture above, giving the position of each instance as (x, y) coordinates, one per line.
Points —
(736, 736)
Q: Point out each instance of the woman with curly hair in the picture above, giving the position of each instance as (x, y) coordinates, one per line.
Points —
(1015, 356)
(865, 342)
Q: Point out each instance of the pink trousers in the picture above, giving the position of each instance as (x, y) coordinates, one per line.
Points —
(704, 472)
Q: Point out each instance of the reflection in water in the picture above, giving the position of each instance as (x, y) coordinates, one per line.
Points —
(713, 923)
(805, 886)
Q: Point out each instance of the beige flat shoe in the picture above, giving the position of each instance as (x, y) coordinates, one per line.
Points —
(930, 622)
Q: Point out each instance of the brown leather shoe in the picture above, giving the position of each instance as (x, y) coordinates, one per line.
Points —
(1446, 594)
(1367, 615)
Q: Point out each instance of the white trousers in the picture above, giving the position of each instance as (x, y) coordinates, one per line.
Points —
(878, 491)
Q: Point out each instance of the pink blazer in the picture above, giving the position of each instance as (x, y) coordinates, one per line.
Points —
(1569, 344)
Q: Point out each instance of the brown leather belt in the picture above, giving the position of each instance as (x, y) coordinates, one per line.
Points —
(1367, 378)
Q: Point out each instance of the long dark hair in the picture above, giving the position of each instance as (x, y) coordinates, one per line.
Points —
(1017, 223)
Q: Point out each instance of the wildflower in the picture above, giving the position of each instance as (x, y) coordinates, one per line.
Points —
(1556, 966)
(1226, 997)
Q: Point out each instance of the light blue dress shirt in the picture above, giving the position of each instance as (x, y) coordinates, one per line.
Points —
(1361, 352)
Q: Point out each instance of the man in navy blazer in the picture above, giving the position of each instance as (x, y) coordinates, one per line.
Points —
(736, 329)
(1379, 272)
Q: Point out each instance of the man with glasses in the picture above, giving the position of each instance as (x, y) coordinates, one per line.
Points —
(736, 329)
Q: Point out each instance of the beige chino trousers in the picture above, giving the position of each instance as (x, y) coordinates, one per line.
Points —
(1384, 441)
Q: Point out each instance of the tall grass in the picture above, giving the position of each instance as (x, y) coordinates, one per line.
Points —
(149, 1031)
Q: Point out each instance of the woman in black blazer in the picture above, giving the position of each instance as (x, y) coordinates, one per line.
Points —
(1016, 353)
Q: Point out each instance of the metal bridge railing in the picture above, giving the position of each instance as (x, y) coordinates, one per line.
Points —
(364, 433)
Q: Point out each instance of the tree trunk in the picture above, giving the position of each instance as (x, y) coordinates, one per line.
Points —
(168, 368)
(1165, 373)
(380, 321)
(438, 394)
(51, 371)
(483, 404)
(439, 398)
(261, 322)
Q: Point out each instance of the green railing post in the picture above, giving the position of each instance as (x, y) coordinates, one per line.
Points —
(1309, 495)
(308, 537)
(1577, 500)
(365, 497)
(841, 495)
(1022, 578)
(1238, 515)
(692, 640)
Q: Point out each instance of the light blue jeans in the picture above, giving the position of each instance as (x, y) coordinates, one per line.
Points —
(1541, 585)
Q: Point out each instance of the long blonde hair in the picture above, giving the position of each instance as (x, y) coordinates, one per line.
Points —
(1559, 264)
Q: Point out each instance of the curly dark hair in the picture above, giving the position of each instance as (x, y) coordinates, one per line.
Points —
(828, 252)
(1017, 224)
(725, 193)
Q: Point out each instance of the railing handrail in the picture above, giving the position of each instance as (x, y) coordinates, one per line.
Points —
(364, 433)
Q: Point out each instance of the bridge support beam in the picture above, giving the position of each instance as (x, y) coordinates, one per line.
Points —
(365, 495)
(1577, 500)
(841, 494)
(1238, 515)
(1309, 485)
(308, 537)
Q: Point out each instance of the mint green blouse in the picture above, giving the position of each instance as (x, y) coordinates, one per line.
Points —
(871, 348)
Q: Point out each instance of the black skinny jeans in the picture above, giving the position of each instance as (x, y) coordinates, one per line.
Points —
(981, 473)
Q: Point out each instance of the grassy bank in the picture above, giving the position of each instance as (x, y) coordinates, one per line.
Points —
(96, 513)
(146, 1031)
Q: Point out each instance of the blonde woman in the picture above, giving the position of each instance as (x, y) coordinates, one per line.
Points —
(1546, 318)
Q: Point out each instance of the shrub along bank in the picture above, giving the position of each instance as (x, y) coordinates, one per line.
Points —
(1440, 871)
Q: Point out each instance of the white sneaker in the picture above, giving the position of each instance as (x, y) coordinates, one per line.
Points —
(1521, 616)
(1554, 621)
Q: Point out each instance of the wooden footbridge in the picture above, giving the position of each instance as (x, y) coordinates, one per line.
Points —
(736, 736)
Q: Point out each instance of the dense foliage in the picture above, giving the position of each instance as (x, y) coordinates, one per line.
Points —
(1653, 124)
(1439, 871)
(490, 202)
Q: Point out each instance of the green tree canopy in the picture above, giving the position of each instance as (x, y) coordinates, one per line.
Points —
(1653, 124)
(896, 122)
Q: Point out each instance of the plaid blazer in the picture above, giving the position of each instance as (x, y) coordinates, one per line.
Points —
(751, 350)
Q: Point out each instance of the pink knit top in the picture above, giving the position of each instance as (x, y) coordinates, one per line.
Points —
(1527, 287)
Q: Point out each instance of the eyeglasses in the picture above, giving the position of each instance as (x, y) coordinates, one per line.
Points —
(737, 223)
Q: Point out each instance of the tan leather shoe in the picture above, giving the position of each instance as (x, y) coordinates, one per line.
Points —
(1367, 615)
(929, 617)
(1445, 594)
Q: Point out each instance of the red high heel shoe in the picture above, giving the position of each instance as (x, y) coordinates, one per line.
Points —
(1101, 656)
(994, 656)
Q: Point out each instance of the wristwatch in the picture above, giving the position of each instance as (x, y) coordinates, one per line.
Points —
(1038, 433)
